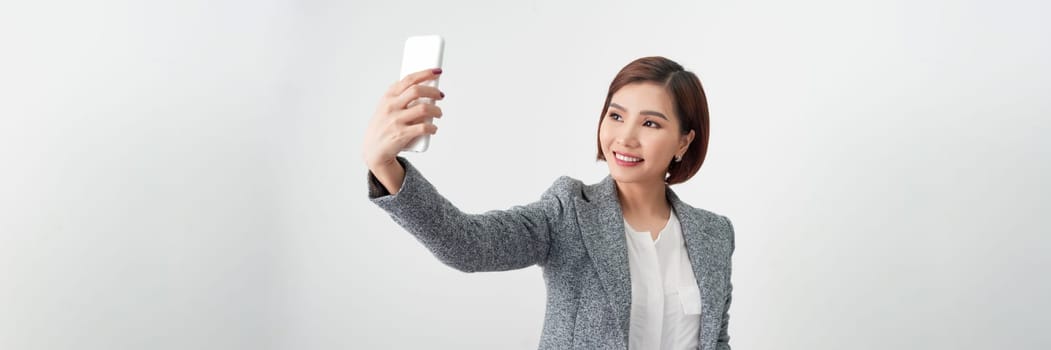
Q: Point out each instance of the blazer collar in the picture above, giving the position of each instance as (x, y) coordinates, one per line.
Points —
(602, 227)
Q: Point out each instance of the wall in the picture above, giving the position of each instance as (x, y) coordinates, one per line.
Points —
(137, 201)
(189, 175)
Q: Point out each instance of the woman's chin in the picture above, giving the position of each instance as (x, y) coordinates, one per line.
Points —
(627, 176)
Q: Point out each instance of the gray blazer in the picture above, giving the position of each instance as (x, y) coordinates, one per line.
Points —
(575, 233)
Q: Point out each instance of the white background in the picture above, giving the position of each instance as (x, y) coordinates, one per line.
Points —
(188, 174)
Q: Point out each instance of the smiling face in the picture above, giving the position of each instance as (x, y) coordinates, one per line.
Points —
(640, 133)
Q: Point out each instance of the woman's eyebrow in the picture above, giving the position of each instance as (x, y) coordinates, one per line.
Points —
(653, 113)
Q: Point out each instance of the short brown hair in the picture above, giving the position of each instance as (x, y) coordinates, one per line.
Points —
(691, 108)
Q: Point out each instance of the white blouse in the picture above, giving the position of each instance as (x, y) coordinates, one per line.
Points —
(665, 300)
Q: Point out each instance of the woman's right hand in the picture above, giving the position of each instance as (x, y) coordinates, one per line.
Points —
(395, 125)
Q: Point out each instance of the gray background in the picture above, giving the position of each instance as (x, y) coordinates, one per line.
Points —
(188, 174)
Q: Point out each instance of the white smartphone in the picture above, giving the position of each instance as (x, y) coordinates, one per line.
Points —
(422, 52)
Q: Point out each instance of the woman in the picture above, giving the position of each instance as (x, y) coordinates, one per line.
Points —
(626, 262)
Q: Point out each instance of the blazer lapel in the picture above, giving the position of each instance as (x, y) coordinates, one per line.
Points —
(602, 227)
(700, 243)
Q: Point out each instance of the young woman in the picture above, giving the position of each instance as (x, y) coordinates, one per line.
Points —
(627, 263)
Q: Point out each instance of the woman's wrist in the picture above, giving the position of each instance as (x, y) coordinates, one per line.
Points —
(390, 174)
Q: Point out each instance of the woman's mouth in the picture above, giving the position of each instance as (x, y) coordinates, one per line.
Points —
(627, 159)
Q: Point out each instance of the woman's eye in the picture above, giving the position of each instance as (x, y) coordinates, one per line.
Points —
(651, 124)
(615, 116)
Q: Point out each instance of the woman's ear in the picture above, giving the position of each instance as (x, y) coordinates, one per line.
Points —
(684, 142)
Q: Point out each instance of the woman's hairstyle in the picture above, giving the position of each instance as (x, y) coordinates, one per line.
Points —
(691, 108)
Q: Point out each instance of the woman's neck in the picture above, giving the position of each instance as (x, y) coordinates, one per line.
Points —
(643, 198)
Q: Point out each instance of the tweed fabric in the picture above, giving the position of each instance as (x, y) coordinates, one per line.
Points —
(575, 233)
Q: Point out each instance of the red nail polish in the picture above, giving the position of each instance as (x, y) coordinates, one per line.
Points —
(443, 94)
(437, 71)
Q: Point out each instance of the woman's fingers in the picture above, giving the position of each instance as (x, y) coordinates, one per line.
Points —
(414, 92)
(422, 129)
(395, 124)
(413, 79)
(405, 134)
(417, 113)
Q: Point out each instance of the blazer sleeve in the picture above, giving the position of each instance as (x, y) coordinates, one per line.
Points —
(496, 240)
(723, 343)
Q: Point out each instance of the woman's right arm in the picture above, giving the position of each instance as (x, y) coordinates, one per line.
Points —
(493, 241)
(496, 240)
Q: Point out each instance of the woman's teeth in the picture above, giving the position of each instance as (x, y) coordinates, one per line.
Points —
(626, 158)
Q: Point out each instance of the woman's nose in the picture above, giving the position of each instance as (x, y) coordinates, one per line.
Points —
(628, 136)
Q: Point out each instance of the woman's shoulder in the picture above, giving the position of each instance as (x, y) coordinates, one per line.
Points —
(706, 217)
(568, 188)
(696, 212)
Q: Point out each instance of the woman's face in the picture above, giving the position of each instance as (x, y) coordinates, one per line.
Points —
(640, 133)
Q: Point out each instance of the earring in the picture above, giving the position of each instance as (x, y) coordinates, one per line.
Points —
(678, 158)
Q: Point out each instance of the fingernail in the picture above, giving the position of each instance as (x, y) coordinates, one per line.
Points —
(437, 71)
(443, 94)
